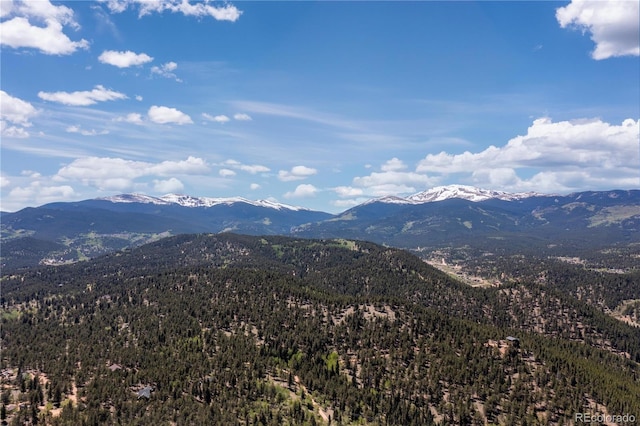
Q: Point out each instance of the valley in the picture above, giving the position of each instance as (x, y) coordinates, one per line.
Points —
(292, 331)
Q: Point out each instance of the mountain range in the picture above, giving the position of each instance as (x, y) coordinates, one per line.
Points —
(442, 216)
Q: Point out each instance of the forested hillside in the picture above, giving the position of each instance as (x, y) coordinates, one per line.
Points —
(228, 329)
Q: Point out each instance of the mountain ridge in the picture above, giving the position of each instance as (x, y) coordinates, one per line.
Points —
(185, 200)
(443, 216)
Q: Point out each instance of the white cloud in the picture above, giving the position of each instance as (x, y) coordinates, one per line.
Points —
(82, 98)
(138, 98)
(124, 59)
(347, 191)
(613, 24)
(5, 8)
(564, 155)
(22, 30)
(393, 165)
(249, 168)
(166, 70)
(119, 174)
(16, 111)
(170, 185)
(393, 182)
(348, 203)
(242, 117)
(37, 193)
(31, 173)
(302, 191)
(133, 118)
(254, 186)
(4, 182)
(217, 118)
(279, 110)
(226, 173)
(12, 131)
(166, 115)
(227, 12)
(296, 173)
(92, 132)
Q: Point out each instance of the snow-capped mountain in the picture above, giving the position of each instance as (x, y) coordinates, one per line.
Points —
(464, 192)
(191, 201)
(134, 198)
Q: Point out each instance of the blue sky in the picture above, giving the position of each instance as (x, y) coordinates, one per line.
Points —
(318, 104)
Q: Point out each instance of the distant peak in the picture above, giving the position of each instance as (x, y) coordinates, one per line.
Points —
(133, 198)
(464, 192)
(191, 201)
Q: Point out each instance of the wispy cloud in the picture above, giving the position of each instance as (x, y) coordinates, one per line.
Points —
(249, 168)
(166, 70)
(300, 113)
(83, 98)
(217, 118)
(83, 132)
(228, 12)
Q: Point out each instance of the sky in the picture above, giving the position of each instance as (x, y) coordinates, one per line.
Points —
(317, 104)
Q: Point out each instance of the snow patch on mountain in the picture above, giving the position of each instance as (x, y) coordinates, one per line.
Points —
(464, 192)
(191, 201)
(134, 198)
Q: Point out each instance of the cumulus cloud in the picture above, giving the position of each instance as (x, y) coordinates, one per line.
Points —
(217, 118)
(166, 115)
(227, 12)
(170, 185)
(296, 173)
(82, 98)
(38, 25)
(348, 191)
(119, 174)
(226, 173)
(393, 165)
(124, 59)
(242, 117)
(393, 182)
(302, 191)
(254, 186)
(4, 181)
(613, 24)
(133, 118)
(249, 168)
(38, 193)
(567, 155)
(15, 111)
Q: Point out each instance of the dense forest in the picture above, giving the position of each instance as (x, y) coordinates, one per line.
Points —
(228, 329)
